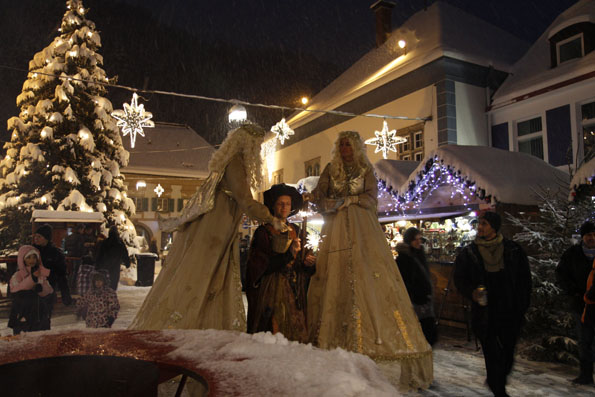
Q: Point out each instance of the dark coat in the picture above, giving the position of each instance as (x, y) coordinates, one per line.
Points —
(416, 275)
(572, 273)
(515, 284)
(53, 259)
(111, 254)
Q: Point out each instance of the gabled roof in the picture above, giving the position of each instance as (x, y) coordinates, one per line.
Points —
(394, 173)
(440, 31)
(533, 71)
(169, 150)
(506, 177)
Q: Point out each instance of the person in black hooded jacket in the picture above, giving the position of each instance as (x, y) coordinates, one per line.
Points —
(416, 276)
(110, 255)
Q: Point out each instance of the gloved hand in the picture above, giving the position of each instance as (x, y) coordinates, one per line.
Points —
(110, 321)
(348, 201)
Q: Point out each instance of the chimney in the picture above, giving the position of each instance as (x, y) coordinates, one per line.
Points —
(382, 9)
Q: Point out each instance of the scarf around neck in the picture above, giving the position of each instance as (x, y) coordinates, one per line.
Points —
(492, 253)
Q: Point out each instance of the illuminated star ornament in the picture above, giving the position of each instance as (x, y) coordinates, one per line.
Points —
(159, 190)
(133, 118)
(385, 140)
(282, 131)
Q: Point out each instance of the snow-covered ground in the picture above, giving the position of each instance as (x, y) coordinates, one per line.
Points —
(458, 366)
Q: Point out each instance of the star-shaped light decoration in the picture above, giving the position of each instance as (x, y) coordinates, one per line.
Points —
(159, 190)
(133, 118)
(385, 140)
(282, 131)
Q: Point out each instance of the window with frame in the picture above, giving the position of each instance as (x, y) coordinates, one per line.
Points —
(530, 137)
(141, 203)
(163, 204)
(406, 157)
(418, 139)
(570, 48)
(278, 177)
(312, 167)
(419, 156)
(588, 124)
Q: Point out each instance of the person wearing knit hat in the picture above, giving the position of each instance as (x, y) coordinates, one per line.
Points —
(493, 273)
(53, 259)
(45, 231)
(414, 269)
(572, 274)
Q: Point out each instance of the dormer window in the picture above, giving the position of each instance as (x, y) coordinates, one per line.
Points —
(574, 39)
(570, 49)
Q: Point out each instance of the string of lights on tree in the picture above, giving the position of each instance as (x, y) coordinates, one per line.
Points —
(434, 175)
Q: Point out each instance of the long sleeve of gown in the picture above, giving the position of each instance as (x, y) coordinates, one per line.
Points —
(369, 198)
(236, 183)
(320, 192)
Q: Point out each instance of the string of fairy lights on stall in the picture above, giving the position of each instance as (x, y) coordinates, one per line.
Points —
(435, 174)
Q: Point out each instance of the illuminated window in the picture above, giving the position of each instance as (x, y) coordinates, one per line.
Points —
(278, 177)
(312, 167)
(530, 137)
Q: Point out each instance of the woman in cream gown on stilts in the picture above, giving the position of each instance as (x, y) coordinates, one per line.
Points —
(357, 299)
(200, 285)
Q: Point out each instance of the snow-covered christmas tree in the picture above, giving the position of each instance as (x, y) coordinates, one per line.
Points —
(65, 150)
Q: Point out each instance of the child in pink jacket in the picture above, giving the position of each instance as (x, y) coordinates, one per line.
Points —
(31, 293)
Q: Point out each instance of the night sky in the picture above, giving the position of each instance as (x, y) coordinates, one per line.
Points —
(340, 31)
(267, 51)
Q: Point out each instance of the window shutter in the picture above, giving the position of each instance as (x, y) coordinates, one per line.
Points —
(180, 204)
(153, 204)
(170, 205)
(145, 204)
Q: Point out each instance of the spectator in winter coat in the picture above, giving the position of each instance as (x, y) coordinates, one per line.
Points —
(100, 305)
(572, 273)
(31, 293)
(53, 259)
(416, 276)
(497, 267)
(111, 254)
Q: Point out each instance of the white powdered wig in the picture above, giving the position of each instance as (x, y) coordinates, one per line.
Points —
(359, 155)
(242, 141)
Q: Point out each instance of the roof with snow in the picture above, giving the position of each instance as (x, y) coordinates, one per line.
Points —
(394, 172)
(66, 216)
(506, 177)
(584, 175)
(533, 71)
(454, 33)
(169, 150)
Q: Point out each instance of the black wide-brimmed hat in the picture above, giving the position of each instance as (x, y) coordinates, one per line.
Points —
(271, 196)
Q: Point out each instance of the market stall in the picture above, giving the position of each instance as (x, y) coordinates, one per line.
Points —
(583, 181)
(444, 194)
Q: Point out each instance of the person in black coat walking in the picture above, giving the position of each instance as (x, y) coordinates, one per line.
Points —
(572, 273)
(53, 259)
(111, 254)
(493, 272)
(416, 276)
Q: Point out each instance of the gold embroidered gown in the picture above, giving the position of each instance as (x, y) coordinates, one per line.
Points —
(200, 285)
(357, 299)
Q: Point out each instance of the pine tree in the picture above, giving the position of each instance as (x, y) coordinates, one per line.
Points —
(65, 151)
(550, 327)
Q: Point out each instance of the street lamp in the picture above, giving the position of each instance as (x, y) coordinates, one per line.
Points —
(237, 114)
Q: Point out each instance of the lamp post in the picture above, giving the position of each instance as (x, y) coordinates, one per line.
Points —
(237, 115)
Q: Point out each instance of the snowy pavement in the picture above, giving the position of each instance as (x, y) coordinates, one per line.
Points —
(458, 367)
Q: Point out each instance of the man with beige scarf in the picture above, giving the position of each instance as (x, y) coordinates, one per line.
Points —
(493, 272)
